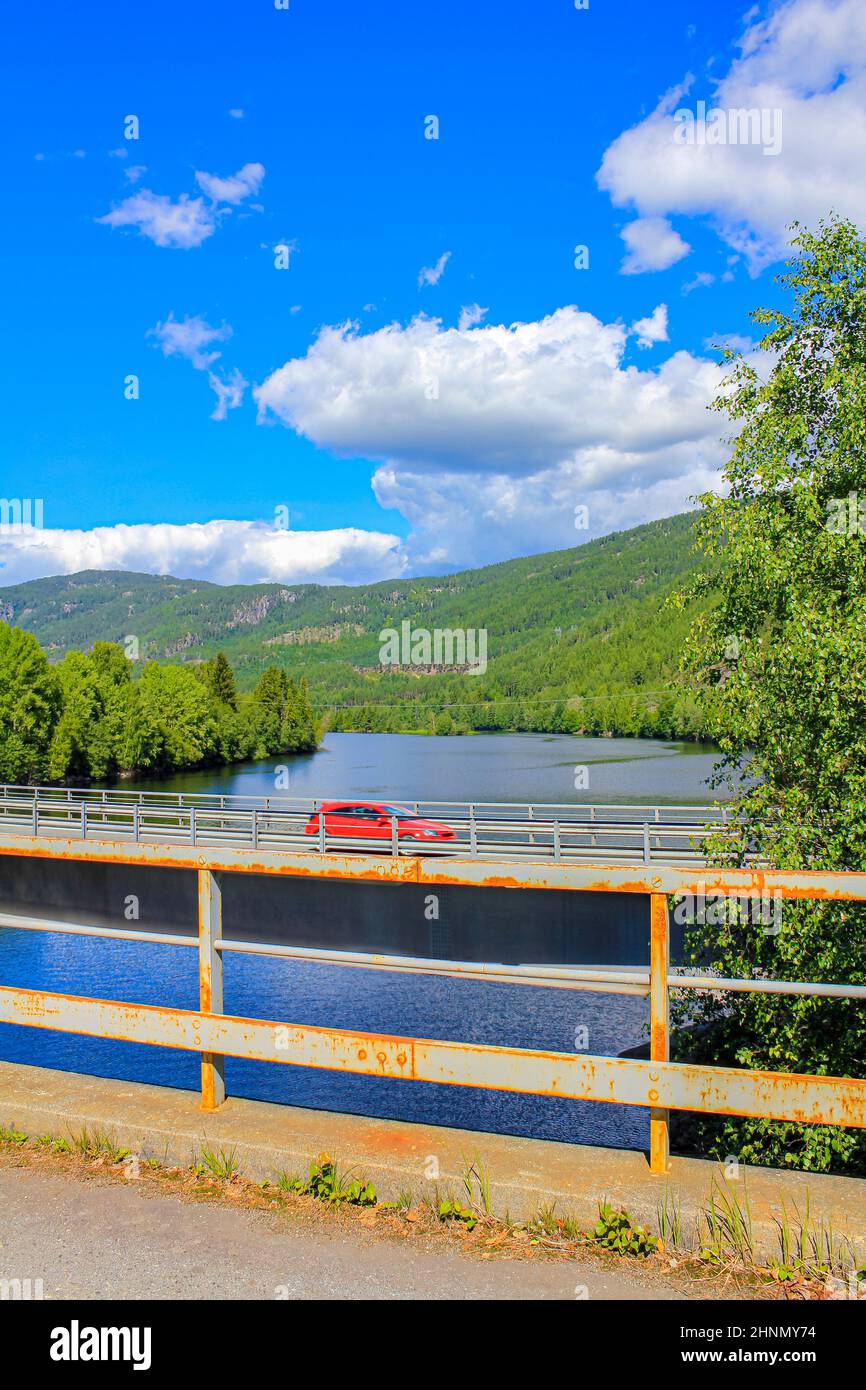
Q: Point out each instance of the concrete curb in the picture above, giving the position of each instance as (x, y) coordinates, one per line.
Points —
(525, 1174)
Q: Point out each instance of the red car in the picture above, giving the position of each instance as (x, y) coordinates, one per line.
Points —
(373, 820)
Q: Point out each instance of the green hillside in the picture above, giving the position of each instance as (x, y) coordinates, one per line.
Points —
(576, 639)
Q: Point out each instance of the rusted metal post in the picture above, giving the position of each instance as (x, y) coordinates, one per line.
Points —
(210, 982)
(659, 1026)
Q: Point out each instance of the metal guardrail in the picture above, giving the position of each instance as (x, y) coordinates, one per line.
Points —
(500, 830)
(659, 1084)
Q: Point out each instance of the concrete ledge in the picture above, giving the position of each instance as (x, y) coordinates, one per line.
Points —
(525, 1174)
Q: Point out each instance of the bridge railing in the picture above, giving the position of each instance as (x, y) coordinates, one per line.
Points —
(108, 796)
(658, 1083)
(563, 833)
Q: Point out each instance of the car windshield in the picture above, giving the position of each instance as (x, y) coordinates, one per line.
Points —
(400, 811)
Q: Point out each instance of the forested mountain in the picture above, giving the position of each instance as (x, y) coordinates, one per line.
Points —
(576, 639)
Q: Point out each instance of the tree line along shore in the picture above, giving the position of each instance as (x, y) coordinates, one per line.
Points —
(90, 718)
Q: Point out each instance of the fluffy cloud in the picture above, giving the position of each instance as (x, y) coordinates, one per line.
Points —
(493, 399)
(191, 338)
(244, 184)
(432, 274)
(488, 437)
(652, 245)
(469, 519)
(653, 329)
(806, 62)
(184, 223)
(471, 315)
(227, 552)
(188, 221)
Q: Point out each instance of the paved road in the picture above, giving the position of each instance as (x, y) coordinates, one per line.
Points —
(104, 1239)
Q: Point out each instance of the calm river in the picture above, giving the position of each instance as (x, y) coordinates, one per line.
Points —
(480, 767)
(504, 767)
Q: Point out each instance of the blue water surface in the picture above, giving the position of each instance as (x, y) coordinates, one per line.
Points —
(329, 996)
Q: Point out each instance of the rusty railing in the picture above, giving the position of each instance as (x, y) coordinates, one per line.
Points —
(657, 1083)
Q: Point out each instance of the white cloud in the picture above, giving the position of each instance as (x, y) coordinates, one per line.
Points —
(509, 398)
(189, 338)
(236, 112)
(470, 316)
(185, 223)
(244, 184)
(701, 281)
(192, 338)
(653, 329)
(736, 342)
(229, 392)
(226, 552)
(470, 520)
(807, 61)
(188, 221)
(487, 437)
(135, 171)
(431, 275)
(652, 245)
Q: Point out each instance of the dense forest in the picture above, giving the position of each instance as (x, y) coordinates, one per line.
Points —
(88, 717)
(578, 640)
(778, 644)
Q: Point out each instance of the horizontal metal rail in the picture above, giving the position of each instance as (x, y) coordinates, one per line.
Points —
(524, 1071)
(64, 928)
(502, 831)
(754, 881)
(658, 1083)
(604, 980)
(106, 796)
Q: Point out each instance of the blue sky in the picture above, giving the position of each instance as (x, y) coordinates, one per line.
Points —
(396, 448)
